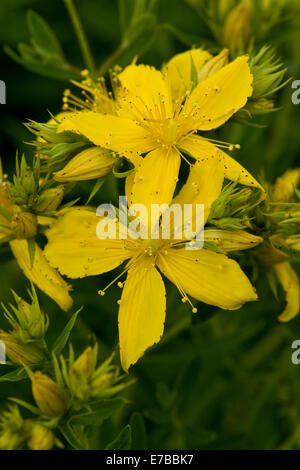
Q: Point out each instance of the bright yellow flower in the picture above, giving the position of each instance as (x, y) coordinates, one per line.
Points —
(74, 248)
(149, 121)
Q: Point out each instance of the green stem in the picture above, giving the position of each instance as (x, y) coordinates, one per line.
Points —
(110, 61)
(82, 39)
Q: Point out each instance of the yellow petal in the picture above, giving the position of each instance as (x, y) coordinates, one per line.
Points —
(221, 95)
(155, 178)
(112, 132)
(198, 148)
(75, 249)
(130, 179)
(89, 164)
(178, 70)
(232, 240)
(286, 184)
(204, 184)
(143, 88)
(42, 274)
(289, 280)
(142, 312)
(207, 276)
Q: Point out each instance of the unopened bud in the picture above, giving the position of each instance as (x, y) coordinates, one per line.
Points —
(101, 383)
(41, 438)
(50, 199)
(24, 225)
(237, 27)
(81, 371)
(49, 396)
(89, 164)
(19, 352)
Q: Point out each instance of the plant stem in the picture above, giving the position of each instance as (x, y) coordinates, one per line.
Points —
(82, 39)
(110, 60)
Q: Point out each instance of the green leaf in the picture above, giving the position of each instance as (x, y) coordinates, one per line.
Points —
(273, 283)
(26, 405)
(123, 441)
(139, 438)
(74, 436)
(190, 40)
(64, 336)
(123, 168)
(14, 376)
(98, 412)
(125, 14)
(42, 37)
(144, 24)
(46, 68)
(99, 183)
(194, 74)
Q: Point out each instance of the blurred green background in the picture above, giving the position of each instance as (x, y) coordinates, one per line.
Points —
(218, 379)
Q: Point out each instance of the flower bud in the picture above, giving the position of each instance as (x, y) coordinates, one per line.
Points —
(24, 225)
(12, 429)
(89, 164)
(19, 352)
(24, 310)
(237, 27)
(50, 199)
(41, 438)
(49, 396)
(213, 65)
(285, 185)
(81, 372)
(101, 383)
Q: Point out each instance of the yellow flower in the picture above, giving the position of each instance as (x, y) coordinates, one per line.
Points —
(49, 396)
(207, 276)
(151, 122)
